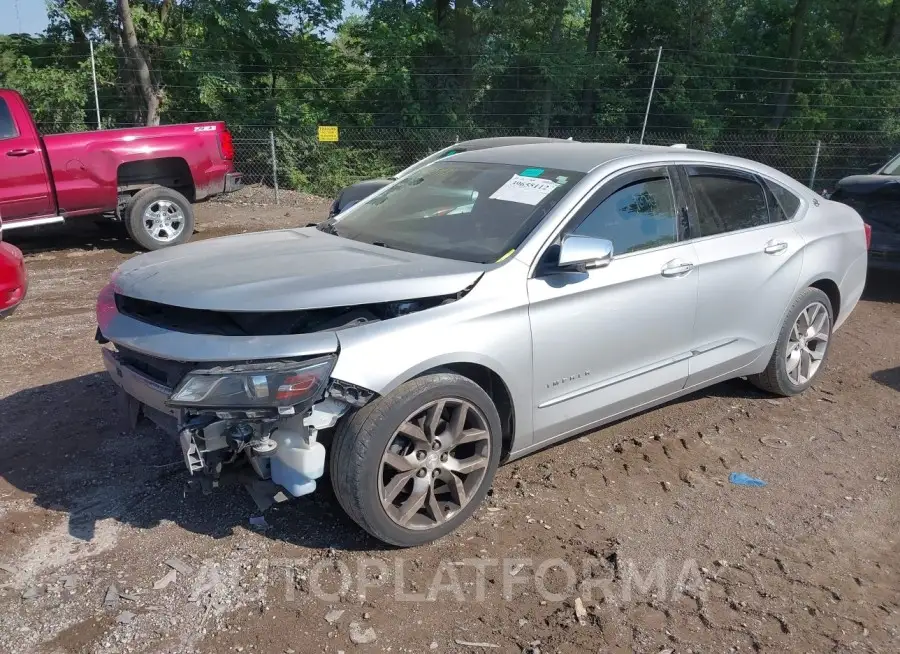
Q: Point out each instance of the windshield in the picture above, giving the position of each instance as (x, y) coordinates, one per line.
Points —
(459, 210)
(893, 168)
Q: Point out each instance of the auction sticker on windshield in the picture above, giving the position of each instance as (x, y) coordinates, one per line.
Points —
(525, 190)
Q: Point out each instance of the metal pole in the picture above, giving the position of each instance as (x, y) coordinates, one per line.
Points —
(274, 164)
(94, 75)
(650, 97)
(812, 175)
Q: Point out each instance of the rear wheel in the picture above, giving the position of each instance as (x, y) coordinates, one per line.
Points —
(158, 217)
(412, 466)
(802, 346)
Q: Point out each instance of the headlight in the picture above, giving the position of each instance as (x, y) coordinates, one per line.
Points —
(255, 385)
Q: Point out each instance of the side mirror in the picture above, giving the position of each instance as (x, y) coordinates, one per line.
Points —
(583, 253)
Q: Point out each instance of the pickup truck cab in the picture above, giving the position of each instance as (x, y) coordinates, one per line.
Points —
(146, 177)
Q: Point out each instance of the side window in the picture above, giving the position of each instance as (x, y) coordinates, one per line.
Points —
(784, 203)
(7, 126)
(636, 217)
(727, 201)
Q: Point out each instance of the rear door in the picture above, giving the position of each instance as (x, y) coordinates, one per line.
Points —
(749, 260)
(24, 183)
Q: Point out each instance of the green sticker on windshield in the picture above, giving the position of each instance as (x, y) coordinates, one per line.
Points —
(451, 152)
(532, 172)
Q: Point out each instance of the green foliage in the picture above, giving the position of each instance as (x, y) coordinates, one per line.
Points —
(436, 68)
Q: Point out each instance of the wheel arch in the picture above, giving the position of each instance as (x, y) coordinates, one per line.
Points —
(830, 288)
(170, 172)
(488, 379)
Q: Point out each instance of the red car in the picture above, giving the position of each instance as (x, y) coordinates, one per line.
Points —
(146, 177)
(13, 280)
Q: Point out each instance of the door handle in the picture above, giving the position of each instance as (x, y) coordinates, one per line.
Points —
(677, 268)
(775, 247)
(20, 152)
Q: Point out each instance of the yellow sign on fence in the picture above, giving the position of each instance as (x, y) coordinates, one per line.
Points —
(328, 133)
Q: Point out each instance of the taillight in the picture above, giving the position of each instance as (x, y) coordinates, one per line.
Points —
(868, 229)
(226, 145)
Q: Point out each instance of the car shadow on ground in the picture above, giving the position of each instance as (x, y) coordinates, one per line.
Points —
(65, 445)
(889, 377)
(86, 235)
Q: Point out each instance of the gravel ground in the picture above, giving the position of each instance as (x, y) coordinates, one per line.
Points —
(627, 539)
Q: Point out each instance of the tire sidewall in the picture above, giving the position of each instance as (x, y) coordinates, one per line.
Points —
(139, 203)
(445, 386)
(784, 381)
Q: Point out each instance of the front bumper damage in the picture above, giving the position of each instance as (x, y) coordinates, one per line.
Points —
(285, 449)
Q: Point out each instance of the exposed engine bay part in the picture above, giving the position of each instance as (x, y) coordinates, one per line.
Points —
(284, 450)
(273, 323)
(350, 393)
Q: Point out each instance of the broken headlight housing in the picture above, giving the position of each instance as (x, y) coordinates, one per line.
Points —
(274, 384)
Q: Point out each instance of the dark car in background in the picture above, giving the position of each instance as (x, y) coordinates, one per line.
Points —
(876, 197)
(350, 195)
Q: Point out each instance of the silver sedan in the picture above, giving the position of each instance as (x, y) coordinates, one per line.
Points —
(483, 307)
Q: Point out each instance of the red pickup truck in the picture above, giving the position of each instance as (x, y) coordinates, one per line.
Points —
(145, 177)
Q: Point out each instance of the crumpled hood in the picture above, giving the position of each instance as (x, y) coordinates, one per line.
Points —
(288, 270)
(863, 184)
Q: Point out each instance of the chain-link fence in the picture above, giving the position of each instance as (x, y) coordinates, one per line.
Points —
(304, 163)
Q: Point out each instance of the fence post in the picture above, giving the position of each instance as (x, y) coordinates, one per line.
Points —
(274, 164)
(650, 97)
(815, 166)
(94, 75)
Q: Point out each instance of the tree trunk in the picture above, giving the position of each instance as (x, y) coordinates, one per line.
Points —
(441, 9)
(849, 38)
(149, 91)
(463, 28)
(593, 39)
(892, 31)
(801, 9)
(547, 101)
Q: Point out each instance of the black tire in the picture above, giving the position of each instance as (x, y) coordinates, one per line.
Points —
(134, 217)
(775, 377)
(362, 437)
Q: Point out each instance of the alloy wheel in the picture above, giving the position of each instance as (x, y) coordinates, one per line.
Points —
(163, 220)
(434, 463)
(807, 343)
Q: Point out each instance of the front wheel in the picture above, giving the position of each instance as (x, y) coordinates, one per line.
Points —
(157, 217)
(412, 466)
(802, 346)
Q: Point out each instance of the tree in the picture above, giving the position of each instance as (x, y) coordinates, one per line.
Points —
(798, 17)
(137, 62)
(593, 39)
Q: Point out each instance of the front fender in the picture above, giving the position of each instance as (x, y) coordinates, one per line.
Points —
(478, 329)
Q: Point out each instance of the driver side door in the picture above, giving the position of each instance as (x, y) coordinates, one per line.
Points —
(611, 339)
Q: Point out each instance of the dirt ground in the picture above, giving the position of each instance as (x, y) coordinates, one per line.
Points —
(630, 538)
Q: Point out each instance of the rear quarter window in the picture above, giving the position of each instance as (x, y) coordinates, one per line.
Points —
(784, 205)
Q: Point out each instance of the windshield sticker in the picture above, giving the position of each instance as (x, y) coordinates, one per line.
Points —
(562, 179)
(532, 172)
(525, 190)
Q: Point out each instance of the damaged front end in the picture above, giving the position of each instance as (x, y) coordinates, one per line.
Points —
(270, 413)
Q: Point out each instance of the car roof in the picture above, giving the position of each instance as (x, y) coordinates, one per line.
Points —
(501, 141)
(562, 155)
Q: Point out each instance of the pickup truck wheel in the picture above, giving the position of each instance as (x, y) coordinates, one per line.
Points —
(412, 466)
(158, 217)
